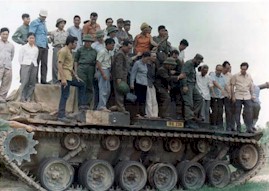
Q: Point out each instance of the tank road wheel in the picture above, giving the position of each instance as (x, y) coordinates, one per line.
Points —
(191, 175)
(96, 175)
(19, 145)
(218, 174)
(162, 176)
(111, 143)
(131, 175)
(143, 144)
(71, 141)
(56, 174)
(174, 145)
(246, 157)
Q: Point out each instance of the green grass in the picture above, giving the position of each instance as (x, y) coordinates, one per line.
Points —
(250, 186)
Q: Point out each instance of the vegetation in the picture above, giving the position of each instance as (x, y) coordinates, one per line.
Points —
(250, 186)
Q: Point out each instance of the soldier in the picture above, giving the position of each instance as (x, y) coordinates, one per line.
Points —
(162, 83)
(127, 26)
(57, 38)
(120, 69)
(85, 61)
(121, 34)
(192, 98)
(20, 36)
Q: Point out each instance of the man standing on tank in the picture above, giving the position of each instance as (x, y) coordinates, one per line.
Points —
(92, 26)
(20, 36)
(39, 28)
(192, 98)
(76, 31)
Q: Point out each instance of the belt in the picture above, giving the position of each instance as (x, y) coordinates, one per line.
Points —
(59, 46)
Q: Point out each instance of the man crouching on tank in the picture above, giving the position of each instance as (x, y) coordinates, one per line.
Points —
(192, 98)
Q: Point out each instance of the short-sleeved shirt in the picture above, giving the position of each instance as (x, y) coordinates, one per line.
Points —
(76, 32)
(142, 43)
(98, 46)
(66, 59)
(58, 38)
(91, 29)
(243, 85)
(203, 84)
(104, 57)
(86, 56)
(189, 69)
(228, 76)
(220, 79)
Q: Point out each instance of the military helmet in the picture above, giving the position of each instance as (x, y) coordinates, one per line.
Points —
(123, 88)
(170, 61)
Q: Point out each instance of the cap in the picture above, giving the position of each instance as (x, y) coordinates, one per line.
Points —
(170, 61)
(59, 21)
(99, 33)
(88, 38)
(43, 13)
(120, 20)
(199, 57)
(112, 29)
(144, 26)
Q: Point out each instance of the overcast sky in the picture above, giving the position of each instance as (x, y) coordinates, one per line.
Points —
(233, 31)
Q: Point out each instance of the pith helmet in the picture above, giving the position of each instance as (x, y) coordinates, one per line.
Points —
(123, 88)
(112, 29)
(170, 61)
(59, 21)
(88, 38)
(99, 33)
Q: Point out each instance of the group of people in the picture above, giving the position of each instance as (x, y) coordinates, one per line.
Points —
(96, 60)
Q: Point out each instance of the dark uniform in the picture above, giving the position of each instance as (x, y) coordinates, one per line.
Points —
(192, 99)
(120, 69)
(162, 83)
(86, 59)
(164, 48)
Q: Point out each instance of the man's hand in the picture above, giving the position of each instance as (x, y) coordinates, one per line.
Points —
(105, 77)
(172, 72)
(233, 99)
(185, 89)
(64, 83)
(118, 81)
(132, 87)
(78, 78)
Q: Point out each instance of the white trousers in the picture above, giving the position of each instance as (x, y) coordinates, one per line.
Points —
(151, 102)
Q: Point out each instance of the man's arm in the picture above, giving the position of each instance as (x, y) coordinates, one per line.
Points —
(17, 37)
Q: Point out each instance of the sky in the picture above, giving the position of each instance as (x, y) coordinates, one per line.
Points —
(233, 31)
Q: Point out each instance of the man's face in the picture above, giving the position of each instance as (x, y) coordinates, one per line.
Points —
(120, 25)
(197, 62)
(204, 71)
(226, 69)
(42, 18)
(26, 20)
(112, 34)
(77, 21)
(175, 56)
(87, 44)
(74, 45)
(244, 70)
(126, 49)
(61, 25)
(162, 32)
(127, 28)
(218, 70)
(93, 19)
(4, 36)
(146, 59)
(110, 46)
(153, 57)
(182, 47)
(109, 23)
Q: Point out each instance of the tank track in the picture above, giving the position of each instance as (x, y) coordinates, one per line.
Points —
(237, 178)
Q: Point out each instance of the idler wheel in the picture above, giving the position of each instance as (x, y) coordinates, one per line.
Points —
(111, 143)
(56, 174)
(19, 145)
(162, 176)
(201, 146)
(143, 144)
(218, 174)
(173, 145)
(191, 175)
(131, 175)
(246, 157)
(96, 175)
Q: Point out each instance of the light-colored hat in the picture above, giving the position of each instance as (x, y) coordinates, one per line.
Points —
(112, 29)
(99, 33)
(88, 38)
(59, 21)
(43, 13)
(170, 61)
(143, 26)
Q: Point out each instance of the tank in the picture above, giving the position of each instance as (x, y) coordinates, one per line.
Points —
(109, 151)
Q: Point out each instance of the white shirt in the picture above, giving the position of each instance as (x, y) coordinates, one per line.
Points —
(203, 84)
(98, 46)
(181, 56)
(28, 55)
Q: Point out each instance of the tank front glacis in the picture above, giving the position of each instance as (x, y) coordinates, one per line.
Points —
(128, 157)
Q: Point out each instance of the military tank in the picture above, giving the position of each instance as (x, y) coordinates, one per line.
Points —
(106, 151)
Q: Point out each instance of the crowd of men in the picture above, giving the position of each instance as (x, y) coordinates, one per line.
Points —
(99, 61)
